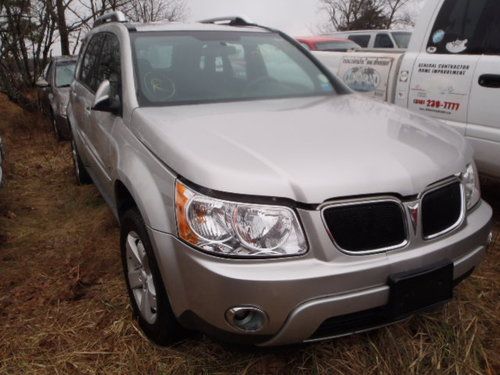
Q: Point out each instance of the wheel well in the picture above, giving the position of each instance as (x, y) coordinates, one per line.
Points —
(124, 200)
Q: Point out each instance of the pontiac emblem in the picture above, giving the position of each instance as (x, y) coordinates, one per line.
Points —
(413, 210)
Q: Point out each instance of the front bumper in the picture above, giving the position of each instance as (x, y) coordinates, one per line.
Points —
(299, 294)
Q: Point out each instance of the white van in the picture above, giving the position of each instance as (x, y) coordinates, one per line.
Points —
(451, 71)
(385, 39)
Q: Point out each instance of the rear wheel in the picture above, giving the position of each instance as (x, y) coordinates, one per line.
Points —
(150, 303)
(81, 174)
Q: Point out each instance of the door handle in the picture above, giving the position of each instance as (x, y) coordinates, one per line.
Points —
(88, 109)
(491, 81)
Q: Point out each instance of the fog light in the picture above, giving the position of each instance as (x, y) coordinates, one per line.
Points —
(247, 318)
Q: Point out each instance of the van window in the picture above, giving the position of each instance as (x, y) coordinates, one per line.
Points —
(402, 38)
(362, 40)
(466, 27)
(491, 25)
(383, 40)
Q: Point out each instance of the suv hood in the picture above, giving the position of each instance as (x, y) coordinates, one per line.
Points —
(307, 149)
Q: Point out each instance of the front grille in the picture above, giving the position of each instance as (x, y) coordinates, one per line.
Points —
(366, 227)
(441, 210)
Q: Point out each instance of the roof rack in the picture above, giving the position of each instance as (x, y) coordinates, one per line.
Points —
(110, 17)
(231, 21)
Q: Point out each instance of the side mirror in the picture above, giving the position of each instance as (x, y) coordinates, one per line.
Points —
(42, 83)
(103, 100)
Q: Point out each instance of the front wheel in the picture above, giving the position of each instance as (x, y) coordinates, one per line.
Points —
(150, 303)
(81, 174)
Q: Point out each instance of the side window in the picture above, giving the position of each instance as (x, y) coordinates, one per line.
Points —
(46, 71)
(109, 63)
(362, 40)
(284, 69)
(88, 70)
(50, 73)
(465, 26)
(383, 40)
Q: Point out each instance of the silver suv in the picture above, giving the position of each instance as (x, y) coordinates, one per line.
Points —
(259, 200)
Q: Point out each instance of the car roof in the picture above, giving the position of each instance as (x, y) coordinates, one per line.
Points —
(321, 38)
(178, 26)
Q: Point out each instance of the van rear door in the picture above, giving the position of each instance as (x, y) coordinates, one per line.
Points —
(483, 125)
(441, 81)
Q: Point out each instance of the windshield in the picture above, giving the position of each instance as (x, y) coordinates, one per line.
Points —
(337, 46)
(65, 73)
(200, 67)
(402, 38)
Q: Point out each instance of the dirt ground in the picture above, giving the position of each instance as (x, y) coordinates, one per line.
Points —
(64, 309)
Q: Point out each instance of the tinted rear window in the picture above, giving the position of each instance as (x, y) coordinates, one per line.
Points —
(362, 40)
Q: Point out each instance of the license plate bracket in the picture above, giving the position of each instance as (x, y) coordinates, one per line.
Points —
(420, 290)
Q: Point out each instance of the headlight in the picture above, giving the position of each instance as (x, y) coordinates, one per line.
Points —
(470, 180)
(237, 229)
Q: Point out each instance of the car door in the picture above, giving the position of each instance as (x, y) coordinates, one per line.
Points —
(43, 92)
(442, 76)
(51, 79)
(483, 125)
(101, 124)
(82, 98)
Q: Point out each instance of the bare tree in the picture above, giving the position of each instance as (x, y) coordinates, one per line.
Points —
(396, 12)
(365, 14)
(155, 10)
(30, 28)
(26, 37)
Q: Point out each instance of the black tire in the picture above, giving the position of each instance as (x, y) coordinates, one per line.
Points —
(165, 329)
(81, 174)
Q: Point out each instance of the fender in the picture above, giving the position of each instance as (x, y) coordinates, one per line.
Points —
(151, 185)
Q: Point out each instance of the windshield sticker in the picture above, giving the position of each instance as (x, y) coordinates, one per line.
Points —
(325, 83)
(457, 46)
(431, 50)
(438, 36)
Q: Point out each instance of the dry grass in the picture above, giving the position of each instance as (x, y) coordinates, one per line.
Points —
(63, 306)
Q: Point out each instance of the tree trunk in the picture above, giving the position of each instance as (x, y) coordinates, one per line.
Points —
(63, 28)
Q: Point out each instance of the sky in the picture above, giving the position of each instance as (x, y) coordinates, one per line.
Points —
(295, 17)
